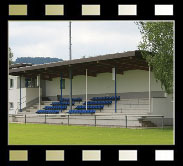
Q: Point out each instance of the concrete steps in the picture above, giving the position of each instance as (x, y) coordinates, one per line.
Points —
(133, 108)
(126, 106)
(32, 109)
(146, 123)
(129, 106)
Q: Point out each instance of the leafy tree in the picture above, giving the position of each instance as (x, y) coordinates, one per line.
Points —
(157, 48)
(10, 54)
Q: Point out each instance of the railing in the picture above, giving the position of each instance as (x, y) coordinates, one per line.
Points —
(125, 121)
(121, 110)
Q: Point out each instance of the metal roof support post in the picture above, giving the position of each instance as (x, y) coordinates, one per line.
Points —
(149, 89)
(20, 94)
(86, 90)
(115, 93)
(61, 90)
(39, 92)
(70, 76)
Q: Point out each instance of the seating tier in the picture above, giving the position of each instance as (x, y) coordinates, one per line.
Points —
(61, 103)
(77, 99)
(63, 107)
(81, 111)
(94, 107)
(47, 112)
(98, 103)
(105, 98)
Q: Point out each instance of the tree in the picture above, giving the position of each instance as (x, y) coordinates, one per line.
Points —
(10, 55)
(157, 48)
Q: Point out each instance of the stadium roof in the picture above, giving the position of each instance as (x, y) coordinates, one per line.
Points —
(131, 60)
(17, 65)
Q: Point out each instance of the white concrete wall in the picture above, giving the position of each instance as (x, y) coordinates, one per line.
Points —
(163, 106)
(130, 81)
(27, 94)
(14, 96)
(32, 93)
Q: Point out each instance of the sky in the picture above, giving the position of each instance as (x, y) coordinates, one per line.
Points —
(89, 38)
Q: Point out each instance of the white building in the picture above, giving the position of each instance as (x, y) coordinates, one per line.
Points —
(29, 91)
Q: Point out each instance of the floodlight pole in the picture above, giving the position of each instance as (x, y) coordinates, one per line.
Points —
(86, 89)
(70, 44)
(70, 70)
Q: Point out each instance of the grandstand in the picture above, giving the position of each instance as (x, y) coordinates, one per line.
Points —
(116, 85)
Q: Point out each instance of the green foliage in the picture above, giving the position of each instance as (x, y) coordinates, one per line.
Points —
(157, 49)
(10, 55)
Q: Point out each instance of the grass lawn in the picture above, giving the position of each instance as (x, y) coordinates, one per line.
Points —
(44, 134)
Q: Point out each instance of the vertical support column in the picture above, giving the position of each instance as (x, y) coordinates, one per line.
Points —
(162, 119)
(38, 84)
(20, 94)
(126, 119)
(115, 91)
(39, 92)
(61, 90)
(95, 120)
(86, 89)
(70, 76)
(68, 120)
(149, 89)
(25, 119)
(70, 71)
(31, 83)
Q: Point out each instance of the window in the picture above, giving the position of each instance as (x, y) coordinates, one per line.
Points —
(63, 84)
(11, 105)
(30, 82)
(11, 83)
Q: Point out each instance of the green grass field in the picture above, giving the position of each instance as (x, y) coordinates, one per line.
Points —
(44, 134)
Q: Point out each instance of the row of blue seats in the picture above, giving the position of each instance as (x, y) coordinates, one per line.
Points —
(105, 98)
(81, 111)
(55, 107)
(47, 112)
(94, 107)
(62, 103)
(73, 99)
(98, 103)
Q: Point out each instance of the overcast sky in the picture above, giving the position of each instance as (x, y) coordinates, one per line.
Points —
(89, 38)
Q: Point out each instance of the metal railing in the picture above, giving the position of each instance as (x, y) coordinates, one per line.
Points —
(125, 121)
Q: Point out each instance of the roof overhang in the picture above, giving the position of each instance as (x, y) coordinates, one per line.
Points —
(131, 60)
(17, 65)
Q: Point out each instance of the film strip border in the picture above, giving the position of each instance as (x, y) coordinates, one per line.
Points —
(87, 9)
(90, 9)
(95, 155)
